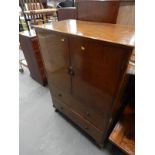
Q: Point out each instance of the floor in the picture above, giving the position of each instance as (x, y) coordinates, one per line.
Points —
(44, 131)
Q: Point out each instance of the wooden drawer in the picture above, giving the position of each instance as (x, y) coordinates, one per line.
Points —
(89, 114)
(98, 120)
(79, 120)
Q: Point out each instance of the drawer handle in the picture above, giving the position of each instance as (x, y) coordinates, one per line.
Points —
(62, 39)
(82, 48)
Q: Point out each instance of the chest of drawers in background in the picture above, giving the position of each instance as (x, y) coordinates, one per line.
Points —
(30, 47)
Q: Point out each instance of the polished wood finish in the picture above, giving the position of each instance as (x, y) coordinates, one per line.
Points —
(91, 10)
(85, 69)
(29, 45)
(125, 14)
(123, 135)
(111, 33)
(98, 80)
(75, 117)
(97, 11)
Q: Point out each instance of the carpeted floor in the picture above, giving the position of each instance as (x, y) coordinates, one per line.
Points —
(44, 131)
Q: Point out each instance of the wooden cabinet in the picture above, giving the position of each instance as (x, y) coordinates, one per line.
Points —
(97, 10)
(30, 46)
(123, 134)
(86, 70)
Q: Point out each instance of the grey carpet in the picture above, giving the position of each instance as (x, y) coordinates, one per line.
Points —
(45, 132)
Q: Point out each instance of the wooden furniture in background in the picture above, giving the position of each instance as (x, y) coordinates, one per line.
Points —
(123, 134)
(86, 64)
(34, 12)
(66, 13)
(125, 12)
(30, 47)
(97, 11)
(91, 10)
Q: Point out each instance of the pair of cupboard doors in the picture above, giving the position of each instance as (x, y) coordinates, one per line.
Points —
(83, 73)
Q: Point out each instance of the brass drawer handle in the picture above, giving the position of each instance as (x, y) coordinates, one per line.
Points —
(62, 39)
(82, 48)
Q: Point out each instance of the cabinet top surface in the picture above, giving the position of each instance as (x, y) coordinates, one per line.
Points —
(114, 33)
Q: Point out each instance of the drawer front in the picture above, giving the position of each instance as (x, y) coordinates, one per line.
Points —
(89, 114)
(97, 119)
(79, 120)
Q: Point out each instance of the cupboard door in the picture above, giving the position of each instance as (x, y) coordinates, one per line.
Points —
(55, 53)
(98, 70)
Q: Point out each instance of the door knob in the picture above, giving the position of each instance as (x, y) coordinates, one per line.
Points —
(71, 71)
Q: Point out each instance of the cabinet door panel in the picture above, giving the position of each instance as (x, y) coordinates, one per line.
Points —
(54, 49)
(98, 72)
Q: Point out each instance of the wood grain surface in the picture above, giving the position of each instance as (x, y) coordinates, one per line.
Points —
(114, 33)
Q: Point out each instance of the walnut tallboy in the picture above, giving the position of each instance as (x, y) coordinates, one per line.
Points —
(86, 64)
